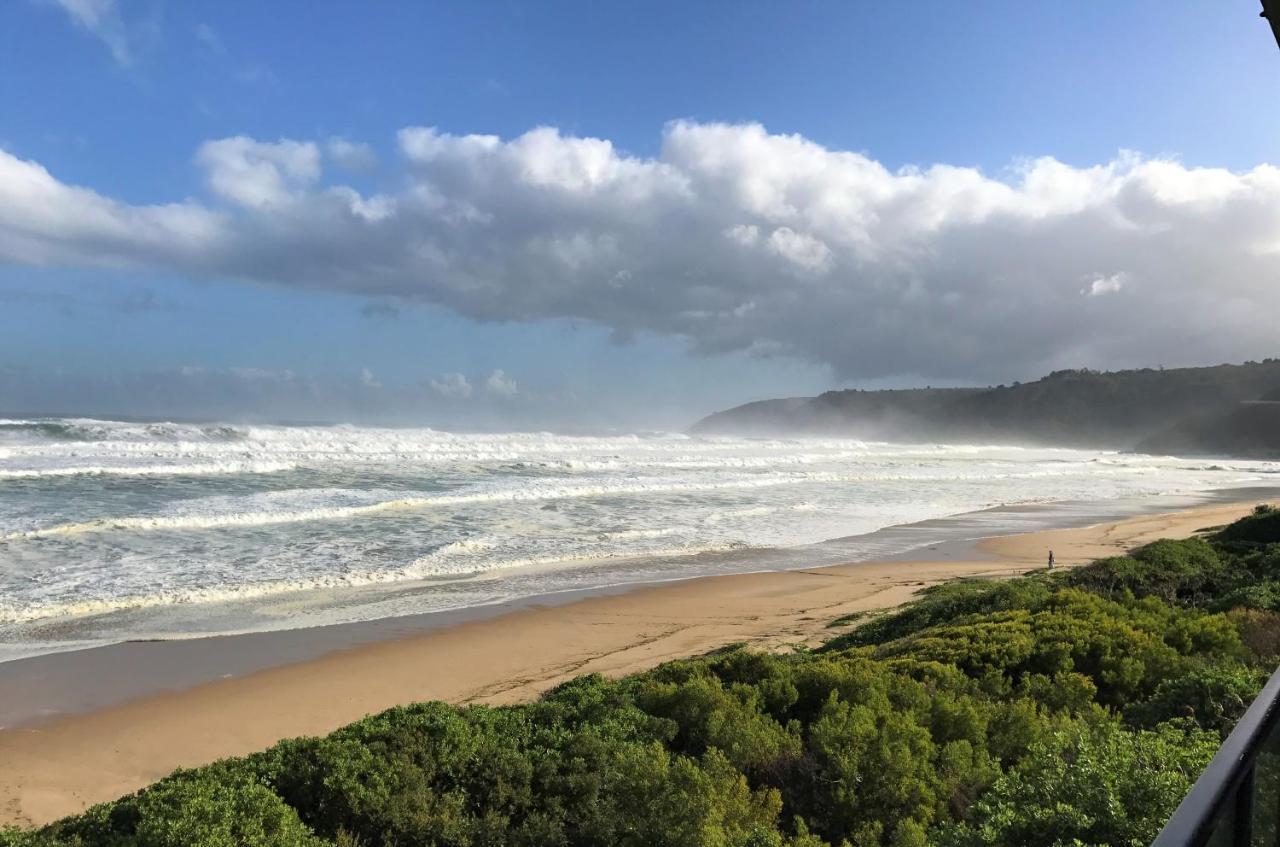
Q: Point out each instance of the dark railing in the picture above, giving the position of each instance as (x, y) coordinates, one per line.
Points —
(1236, 801)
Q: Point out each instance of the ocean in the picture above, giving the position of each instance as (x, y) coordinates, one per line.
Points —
(112, 531)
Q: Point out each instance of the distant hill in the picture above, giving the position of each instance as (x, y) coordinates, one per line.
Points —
(1221, 410)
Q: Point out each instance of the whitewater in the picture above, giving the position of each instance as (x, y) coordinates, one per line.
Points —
(112, 530)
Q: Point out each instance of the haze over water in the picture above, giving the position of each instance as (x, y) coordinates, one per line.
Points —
(122, 530)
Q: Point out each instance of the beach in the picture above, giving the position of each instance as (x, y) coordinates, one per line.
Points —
(60, 766)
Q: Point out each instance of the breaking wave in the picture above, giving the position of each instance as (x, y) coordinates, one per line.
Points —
(432, 566)
(148, 470)
(100, 516)
(514, 495)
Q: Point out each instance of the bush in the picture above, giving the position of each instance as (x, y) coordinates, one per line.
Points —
(1259, 595)
(1187, 572)
(946, 603)
(709, 716)
(1259, 631)
(1262, 527)
(1093, 783)
(1214, 697)
(222, 805)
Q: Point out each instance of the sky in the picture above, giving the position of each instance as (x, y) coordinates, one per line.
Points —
(594, 216)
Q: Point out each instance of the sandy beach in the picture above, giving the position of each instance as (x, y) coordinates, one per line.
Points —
(60, 767)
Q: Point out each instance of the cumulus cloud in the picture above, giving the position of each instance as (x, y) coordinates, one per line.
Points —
(804, 251)
(46, 222)
(259, 174)
(453, 385)
(501, 385)
(731, 237)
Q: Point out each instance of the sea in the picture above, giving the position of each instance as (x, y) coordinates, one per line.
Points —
(113, 531)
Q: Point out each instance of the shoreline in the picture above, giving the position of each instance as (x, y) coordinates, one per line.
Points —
(67, 763)
(52, 685)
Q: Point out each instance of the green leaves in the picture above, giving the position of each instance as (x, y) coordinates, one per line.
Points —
(1091, 783)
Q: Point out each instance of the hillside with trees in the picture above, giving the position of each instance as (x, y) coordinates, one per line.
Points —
(1072, 707)
(1222, 410)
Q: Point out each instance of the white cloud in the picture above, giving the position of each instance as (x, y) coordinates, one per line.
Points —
(45, 222)
(802, 250)
(451, 385)
(352, 155)
(501, 385)
(732, 237)
(259, 174)
(1106, 284)
(102, 18)
(368, 379)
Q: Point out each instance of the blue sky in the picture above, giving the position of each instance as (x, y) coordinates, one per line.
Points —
(120, 97)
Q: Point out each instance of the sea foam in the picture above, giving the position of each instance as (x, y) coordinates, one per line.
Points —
(106, 526)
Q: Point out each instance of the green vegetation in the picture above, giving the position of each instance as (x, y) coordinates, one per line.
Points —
(1056, 709)
(1221, 410)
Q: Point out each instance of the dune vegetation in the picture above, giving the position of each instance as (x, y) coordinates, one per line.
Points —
(1074, 707)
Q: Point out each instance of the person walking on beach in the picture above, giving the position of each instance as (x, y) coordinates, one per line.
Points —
(1050, 560)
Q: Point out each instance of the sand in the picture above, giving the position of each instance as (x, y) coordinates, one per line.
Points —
(59, 768)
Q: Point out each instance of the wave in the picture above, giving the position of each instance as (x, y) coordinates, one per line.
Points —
(526, 493)
(758, 511)
(635, 534)
(89, 429)
(684, 462)
(98, 442)
(209, 469)
(350, 441)
(432, 566)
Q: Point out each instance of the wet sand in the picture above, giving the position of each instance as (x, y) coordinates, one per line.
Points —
(61, 766)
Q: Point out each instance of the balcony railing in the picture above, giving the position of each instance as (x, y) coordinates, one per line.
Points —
(1236, 801)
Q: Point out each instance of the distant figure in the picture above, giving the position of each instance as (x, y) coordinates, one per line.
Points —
(1050, 560)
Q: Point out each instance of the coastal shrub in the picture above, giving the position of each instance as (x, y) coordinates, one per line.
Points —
(222, 805)
(1259, 631)
(871, 767)
(660, 799)
(1263, 595)
(1124, 650)
(945, 603)
(1188, 572)
(1262, 527)
(710, 716)
(1214, 696)
(1060, 708)
(1263, 561)
(1064, 691)
(1093, 783)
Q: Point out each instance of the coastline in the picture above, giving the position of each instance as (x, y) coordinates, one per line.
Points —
(74, 678)
(61, 766)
